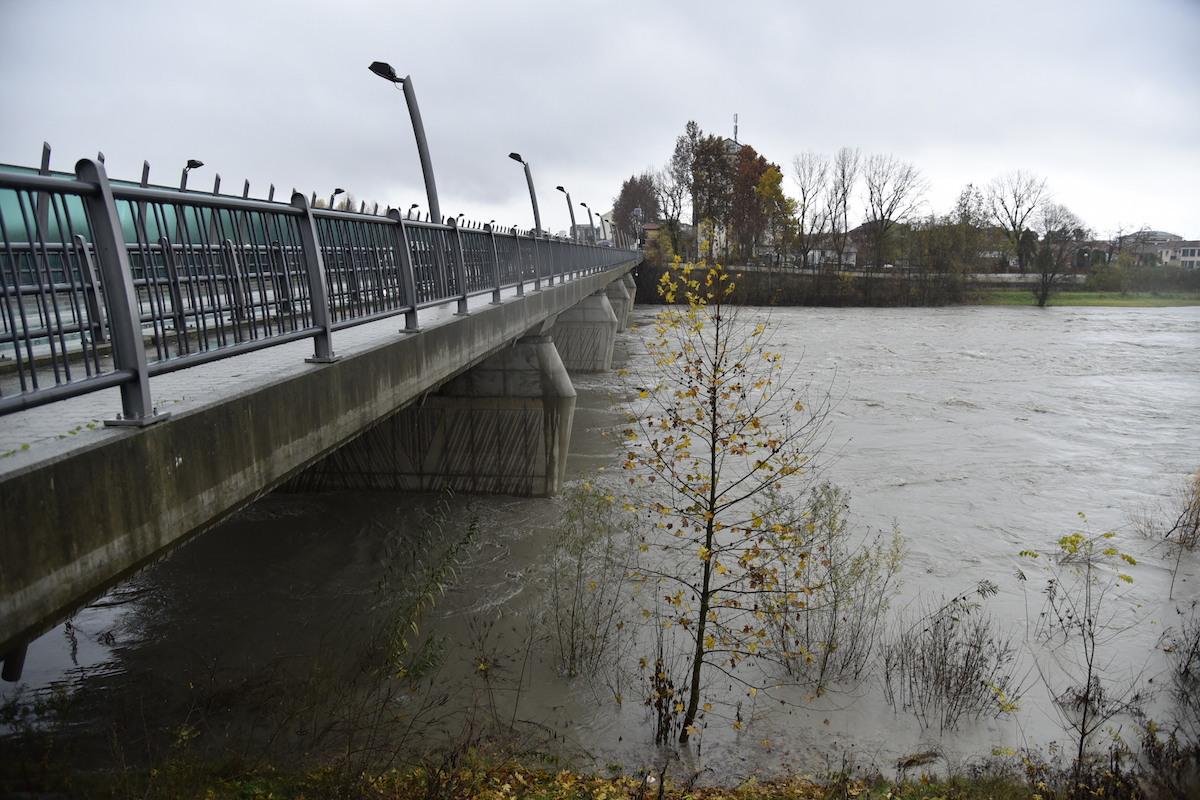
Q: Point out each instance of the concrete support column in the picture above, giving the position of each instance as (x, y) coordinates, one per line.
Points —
(585, 334)
(501, 427)
(621, 301)
(630, 284)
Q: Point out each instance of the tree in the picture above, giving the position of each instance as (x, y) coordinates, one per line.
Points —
(712, 188)
(843, 178)
(778, 210)
(747, 215)
(637, 192)
(671, 194)
(1084, 616)
(945, 249)
(1012, 200)
(677, 181)
(894, 190)
(715, 434)
(811, 173)
(1062, 237)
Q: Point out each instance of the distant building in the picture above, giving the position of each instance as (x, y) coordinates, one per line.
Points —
(584, 233)
(1146, 240)
(1180, 253)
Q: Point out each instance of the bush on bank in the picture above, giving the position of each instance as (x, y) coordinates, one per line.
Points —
(760, 286)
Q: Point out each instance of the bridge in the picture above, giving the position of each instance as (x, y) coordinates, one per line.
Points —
(167, 357)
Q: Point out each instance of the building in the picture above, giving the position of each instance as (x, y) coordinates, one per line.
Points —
(1180, 253)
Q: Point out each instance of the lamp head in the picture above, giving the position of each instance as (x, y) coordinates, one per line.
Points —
(193, 163)
(385, 71)
(561, 189)
(516, 157)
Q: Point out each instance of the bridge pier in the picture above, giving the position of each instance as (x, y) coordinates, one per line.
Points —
(501, 427)
(621, 301)
(585, 334)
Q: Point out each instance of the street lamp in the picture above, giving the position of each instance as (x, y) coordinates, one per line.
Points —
(591, 224)
(191, 165)
(411, 209)
(537, 217)
(336, 192)
(386, 72)
(570, 208)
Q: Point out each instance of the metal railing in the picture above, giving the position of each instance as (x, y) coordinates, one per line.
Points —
(104, 284)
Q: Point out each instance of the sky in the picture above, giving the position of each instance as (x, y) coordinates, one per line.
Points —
(1101, 98)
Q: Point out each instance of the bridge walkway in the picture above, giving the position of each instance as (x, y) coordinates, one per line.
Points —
(58, 429)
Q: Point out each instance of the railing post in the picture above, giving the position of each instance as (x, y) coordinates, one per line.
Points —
(124, 316)
(520, 263)
(495, 263)
(318, 292)
(537, 266)
(460, 271)
(408, 282)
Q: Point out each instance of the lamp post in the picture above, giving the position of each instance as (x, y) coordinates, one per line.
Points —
(191, 165)
(386, 72)
(537, 217)
(591, 224)
(570, 208)
(336, 192)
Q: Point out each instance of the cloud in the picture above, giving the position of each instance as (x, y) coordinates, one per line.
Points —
(279, 92)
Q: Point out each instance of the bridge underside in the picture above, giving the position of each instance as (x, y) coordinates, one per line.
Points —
(482, 403)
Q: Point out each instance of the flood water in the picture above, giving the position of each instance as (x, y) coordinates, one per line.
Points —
(977, 431)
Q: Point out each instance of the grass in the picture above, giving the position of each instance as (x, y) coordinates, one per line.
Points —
(1024, 297)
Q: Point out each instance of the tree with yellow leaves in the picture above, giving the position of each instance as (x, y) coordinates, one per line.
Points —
(720, 439)
(1085, 618)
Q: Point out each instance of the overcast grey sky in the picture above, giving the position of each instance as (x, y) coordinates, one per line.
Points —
(1099, 97)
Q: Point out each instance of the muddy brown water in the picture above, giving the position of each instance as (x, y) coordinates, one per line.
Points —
(979, 432)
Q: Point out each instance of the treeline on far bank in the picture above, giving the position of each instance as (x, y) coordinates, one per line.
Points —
(766, 285)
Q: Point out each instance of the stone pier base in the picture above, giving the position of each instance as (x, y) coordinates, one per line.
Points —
(502, 427)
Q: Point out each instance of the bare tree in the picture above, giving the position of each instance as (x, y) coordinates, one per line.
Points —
(811, 173)
(1012, 199)
(894, 191)
(1062, 236)
(843, 178)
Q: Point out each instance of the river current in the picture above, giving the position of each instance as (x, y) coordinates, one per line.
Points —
(978, 432)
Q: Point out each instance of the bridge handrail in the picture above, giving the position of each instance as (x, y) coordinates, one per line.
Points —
(106, 284)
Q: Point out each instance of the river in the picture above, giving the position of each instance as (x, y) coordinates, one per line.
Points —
(978, 432)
